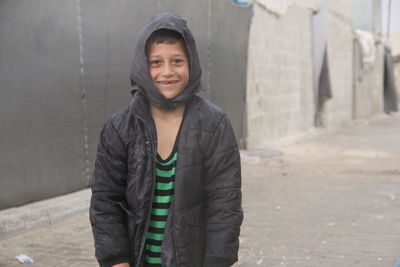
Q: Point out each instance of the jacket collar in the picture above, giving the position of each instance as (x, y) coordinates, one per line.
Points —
(139, 107)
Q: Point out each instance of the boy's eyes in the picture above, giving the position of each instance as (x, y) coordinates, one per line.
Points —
(155, 63)
(178, 61)
(175, 61)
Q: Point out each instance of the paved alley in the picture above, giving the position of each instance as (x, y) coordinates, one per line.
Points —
(330, 200)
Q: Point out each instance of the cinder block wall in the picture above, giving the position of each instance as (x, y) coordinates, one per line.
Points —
(279, 83)
(368, 84)
(397, 77)
(338, 110)
(378, 84)
(280, 94)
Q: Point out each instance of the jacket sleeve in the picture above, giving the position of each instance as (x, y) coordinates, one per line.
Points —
(224, 199)
(107, 215)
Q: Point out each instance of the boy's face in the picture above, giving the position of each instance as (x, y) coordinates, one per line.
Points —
(168, 65)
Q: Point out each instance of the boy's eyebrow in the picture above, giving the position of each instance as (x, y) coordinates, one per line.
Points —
(174, 55)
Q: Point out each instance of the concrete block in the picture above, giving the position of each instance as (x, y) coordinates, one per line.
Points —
(15, 221)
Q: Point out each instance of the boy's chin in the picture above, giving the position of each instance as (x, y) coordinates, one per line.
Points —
(170, 95)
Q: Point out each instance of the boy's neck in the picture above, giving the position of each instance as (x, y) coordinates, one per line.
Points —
(162, 114)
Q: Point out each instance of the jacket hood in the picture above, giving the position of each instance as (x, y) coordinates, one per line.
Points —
(140, 77)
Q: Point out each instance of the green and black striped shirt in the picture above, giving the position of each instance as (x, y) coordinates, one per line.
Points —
(163, 196)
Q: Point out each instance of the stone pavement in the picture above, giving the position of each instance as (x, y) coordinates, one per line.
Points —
(67, 244)
(330, 200)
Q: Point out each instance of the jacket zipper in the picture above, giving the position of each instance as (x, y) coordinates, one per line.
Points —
(153, 147)
(141, 254)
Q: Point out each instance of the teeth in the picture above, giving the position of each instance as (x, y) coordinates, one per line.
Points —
(167, 82)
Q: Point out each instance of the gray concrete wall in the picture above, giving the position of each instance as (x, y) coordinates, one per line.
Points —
(64, 69)
(280, 102)
(368, 85)
(280, 98)
(338, 110)
(42, 145)
(397, 77)
(368, 78)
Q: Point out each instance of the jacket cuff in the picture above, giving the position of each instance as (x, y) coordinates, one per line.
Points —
(216, 262)
(111, 262)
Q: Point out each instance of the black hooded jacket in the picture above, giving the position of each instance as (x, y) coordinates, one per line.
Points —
(205, 216)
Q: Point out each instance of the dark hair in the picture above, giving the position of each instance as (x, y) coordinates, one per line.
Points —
(163, 36)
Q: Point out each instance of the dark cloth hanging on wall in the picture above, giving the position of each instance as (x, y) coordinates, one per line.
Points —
(324, 88)
(389, 91)
(322, 82)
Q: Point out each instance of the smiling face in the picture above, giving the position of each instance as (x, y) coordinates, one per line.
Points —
(168, 65)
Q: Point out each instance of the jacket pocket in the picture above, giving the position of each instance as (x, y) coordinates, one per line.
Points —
(190, 226)
(192, 256)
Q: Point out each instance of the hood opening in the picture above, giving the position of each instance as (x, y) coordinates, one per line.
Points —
(140, 77)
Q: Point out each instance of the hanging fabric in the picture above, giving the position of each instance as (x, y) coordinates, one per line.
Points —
(322, 81)
(389, 89)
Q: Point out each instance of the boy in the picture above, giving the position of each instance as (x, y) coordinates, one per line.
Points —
(167, 184)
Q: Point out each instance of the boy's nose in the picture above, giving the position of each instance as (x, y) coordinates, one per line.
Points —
(167, 70)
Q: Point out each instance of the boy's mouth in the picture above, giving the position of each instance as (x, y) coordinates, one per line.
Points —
(168, 82)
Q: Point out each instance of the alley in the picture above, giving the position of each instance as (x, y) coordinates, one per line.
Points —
(330, 200)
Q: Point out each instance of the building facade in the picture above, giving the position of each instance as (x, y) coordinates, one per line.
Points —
(289, 94)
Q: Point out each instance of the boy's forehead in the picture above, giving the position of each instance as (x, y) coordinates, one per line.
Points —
(176, 46)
